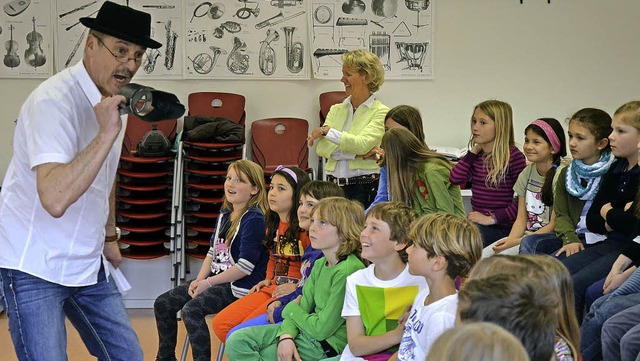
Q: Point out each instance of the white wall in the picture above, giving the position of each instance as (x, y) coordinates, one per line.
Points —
(544, 59)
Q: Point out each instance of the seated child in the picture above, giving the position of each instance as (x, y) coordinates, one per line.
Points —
(310, 195)
(376, 297)
(526, 309)
(444, 247)
(478, 341)
(312, 328)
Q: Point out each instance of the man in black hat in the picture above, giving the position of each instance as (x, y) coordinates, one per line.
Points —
(57, 201)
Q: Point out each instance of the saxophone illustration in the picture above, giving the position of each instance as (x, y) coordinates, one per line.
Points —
(170, 49)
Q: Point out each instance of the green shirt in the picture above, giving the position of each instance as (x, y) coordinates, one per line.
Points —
(434, 193)
(318, 315)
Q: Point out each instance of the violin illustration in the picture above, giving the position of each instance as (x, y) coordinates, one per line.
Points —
(34, 56)
(12, 59)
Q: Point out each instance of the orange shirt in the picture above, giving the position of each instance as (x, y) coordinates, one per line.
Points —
(285, 261)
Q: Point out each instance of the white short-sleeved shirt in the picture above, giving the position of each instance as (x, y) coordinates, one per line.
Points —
(425, 325)
(54, 125)
(378, 302)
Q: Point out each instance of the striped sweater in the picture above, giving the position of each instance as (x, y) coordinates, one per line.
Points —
(499, 201)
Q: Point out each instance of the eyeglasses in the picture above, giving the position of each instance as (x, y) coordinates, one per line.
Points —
(121, 57)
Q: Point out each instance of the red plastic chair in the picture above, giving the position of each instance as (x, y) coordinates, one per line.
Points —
(216, 104)
(328, 99)
(280, 141)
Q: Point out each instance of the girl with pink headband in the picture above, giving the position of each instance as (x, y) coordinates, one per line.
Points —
(544, 146)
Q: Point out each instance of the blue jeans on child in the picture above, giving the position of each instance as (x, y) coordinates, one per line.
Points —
(605, 307)
(37, 309)
(591, 265)
(621, 336)
(544, 243)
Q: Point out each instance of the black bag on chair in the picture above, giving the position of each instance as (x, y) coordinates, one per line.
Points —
(154, 144)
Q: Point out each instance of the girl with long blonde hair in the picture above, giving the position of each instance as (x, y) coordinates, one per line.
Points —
(492, 165)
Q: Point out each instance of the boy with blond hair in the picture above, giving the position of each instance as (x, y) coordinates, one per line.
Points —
(376, 297)
(444, 247)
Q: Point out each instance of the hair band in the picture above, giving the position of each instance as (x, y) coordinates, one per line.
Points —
(288, 171)
(550, 133)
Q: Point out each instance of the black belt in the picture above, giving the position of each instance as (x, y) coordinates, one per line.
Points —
(361, 179)
(328, 350)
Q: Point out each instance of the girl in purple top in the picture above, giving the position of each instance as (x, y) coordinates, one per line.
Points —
(492, 165)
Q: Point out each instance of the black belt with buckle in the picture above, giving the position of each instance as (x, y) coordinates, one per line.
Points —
(361, 179)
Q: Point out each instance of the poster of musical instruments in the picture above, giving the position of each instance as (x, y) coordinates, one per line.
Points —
(247, 39)
(71, 35)
(25, 31)
(167, 28)
(400, 32)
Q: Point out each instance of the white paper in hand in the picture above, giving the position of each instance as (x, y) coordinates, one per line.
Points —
(117, 276)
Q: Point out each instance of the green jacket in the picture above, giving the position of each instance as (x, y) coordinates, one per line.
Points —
(319, 313)
(434, 193)
(568, 209)
(365, 132)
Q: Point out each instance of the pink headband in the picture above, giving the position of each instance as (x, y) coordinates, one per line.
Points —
(288, 171)
(553, 137)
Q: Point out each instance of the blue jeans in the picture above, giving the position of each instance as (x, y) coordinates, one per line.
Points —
(490, 234)
(621, 336)
(591, 265)
(256, 321)
(37, 309)
(544, 243)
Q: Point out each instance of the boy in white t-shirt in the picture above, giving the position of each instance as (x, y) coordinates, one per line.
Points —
(444, 247)
(378, 296)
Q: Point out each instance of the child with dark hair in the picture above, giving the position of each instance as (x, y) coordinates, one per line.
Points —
(526, 309)
(285, 243)
(310, 195)
(544, 145)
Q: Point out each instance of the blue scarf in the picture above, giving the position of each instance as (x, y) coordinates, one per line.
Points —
(577, 172)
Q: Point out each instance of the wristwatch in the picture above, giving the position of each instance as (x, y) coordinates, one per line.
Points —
(115, 237)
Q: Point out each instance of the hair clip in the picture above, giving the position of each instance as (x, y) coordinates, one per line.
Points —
(288, 171)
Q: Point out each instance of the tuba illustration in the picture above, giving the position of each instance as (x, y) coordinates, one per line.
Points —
(295, 51)
(267, 57)
(238, 59)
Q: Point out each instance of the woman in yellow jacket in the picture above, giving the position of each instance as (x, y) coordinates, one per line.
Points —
(353, 127)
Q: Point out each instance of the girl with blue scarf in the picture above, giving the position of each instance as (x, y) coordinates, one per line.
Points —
(576, 187)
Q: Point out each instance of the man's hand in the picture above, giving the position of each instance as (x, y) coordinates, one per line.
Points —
(108, 114)
(112, 253)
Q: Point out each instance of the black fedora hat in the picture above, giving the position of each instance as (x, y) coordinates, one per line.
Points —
(123, 23)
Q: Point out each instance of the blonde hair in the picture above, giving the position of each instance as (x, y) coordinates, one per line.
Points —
(455, 238)
(506, 264)
(253, 174)
(405, 155)
(497, 162)
(557, 277)
(348, 217)
(367, 64)
(478, 341)
(630, 114)
(396, 215)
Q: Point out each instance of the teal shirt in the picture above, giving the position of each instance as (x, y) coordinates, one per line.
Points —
(434, 193)
(318, 315)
